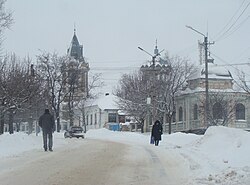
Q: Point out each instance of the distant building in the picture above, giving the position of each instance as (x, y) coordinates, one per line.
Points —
(77, 69)
(227, 105)
(102, 112)
(155, 70)
(76, 85)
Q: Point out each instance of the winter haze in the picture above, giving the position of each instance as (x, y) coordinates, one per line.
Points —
(111, 30)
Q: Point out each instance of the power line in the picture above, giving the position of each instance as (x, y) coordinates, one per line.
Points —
(115, 68)
(114, 61)
(231, 65)
(233, 23)
(237, 27)
(230, 19)
(225, 62)
(240, 55)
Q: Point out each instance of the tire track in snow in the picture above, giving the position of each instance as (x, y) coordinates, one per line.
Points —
(159, 168)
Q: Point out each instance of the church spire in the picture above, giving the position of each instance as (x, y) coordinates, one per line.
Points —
(156, 51)
(74, 29)
(75, 50)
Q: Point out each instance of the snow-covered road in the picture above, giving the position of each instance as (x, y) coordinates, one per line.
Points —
(221, 156)
(94, 162)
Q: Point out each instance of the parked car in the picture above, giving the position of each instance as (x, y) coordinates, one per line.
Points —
(74, 131)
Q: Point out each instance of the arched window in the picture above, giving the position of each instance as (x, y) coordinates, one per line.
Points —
(195, 112)
(240, 111)
(87, 119)
(95, 118)
(174, 116)
(180, 114)
(217, 111)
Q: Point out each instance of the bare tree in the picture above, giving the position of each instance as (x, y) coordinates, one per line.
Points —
(242, 82)
(94, 83)
(132, 92)
(170, 85)
(221, 107)
(17, 87)
(76, 86)
(5, 19)
(162, 84)
(51, 68)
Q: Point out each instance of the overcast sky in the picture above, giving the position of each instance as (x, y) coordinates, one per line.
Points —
(111, 30)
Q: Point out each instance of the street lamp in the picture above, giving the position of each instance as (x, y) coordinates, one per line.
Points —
(153, 56)
(206, 73)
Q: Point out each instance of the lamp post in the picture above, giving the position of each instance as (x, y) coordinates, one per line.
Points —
(146, 126)
(206, 74)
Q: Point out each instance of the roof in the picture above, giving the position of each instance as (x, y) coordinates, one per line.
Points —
(106, 102)
(75, 50)
(199, 89)
(214, 72)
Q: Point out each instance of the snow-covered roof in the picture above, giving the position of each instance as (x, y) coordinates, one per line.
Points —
(199, 89)
(105, 102)
(214, 72)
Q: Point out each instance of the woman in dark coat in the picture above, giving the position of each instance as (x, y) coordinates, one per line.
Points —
(156, 132)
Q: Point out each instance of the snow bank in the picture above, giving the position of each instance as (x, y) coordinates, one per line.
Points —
(19, 142)
(228, 145)
(221, 156)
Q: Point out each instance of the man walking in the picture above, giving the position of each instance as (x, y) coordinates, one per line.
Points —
(47, 123)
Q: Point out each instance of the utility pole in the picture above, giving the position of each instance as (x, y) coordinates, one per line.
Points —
(206, 83)
(206, 74)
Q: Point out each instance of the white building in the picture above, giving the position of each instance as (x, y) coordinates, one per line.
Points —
(101, 112)
(227, 105)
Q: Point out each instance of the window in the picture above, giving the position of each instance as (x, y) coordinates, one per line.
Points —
(174, 116)
(195, 112)
(121, 119)
(240, 111)
(23, 128)
(95, 119)
(180, 114)
(91, 119)
(112, 117)
(217, 111)
(87, 119)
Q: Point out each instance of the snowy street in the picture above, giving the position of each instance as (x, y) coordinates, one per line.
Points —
(94, 162)
(105, 157)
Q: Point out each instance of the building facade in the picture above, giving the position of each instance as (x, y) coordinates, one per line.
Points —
(102, 112)
(228, 106)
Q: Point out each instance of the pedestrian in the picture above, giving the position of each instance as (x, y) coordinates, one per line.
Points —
(47, 123)
(156, 132)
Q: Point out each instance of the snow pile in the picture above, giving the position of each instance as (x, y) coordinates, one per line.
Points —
(15, 144)
(179, 140)
(226, 145)
(221, 156)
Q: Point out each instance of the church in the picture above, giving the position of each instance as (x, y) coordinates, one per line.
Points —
(76, 83)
